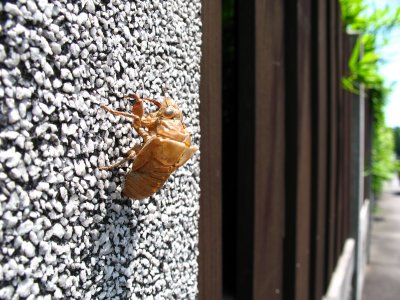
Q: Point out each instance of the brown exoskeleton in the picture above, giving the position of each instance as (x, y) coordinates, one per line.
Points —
(166, 146)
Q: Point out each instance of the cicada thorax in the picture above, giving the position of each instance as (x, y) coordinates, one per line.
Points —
(173, 129)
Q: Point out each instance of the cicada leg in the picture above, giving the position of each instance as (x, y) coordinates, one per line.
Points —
(137, 109)
(135, 149)
(113, 166)
(120, 113)
(131, 155)
(157, 103)
(139, 130)
(137, 98)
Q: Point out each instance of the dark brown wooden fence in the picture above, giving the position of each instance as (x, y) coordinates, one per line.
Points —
(276, 148)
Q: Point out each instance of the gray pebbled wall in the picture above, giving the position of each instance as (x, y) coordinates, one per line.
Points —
(65, 230)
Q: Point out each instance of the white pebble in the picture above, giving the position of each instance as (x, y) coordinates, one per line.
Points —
(14, 160)
(45, 46)
(25, 227)
(31, 5)
(13, 116)
(65, 74)
(58, 230)
(57, 83)
(16, 173)
(22, 93)
(7, 293)
(3, 54)
(9, 220)
(12, 9)
(90, 6)
(69, 130)
(75, 50)
(48, 70)
(68, 87)
(10, 135)
(39, 77)
(82, 18)
(28, 249)
(85, 53)
(64, 193)
(56, 48)
(24, 287)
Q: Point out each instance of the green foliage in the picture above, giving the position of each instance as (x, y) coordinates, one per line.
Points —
(384, 164)
(396, 133)
(373, 26)
(397, 167)
(364, 69)
(352, 13)
(358, 16)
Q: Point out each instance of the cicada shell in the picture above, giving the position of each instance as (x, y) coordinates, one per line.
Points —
(166, 146)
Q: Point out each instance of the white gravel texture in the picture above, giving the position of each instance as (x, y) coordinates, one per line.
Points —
(65, 230)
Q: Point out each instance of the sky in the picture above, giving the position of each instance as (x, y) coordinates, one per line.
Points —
(391, 72)
(390, 69)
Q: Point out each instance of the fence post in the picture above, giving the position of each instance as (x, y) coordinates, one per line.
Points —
(357, 187)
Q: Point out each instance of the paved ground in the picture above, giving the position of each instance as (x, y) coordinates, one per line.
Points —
(382, 280)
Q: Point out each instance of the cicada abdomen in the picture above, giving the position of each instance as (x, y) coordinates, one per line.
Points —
(154, 163)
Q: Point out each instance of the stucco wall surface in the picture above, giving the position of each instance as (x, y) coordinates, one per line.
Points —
(65, 230)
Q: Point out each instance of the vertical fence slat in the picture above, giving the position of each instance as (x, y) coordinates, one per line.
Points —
(348, 46)
(269, 151)
(357, 191)
(298, 148)
(332, 136)
(210, 281)
(320, 132)
(340, 125)
(340, 143)
(246, 151)
(304, 151)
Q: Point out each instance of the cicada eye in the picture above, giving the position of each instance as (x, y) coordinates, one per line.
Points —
(169, 112)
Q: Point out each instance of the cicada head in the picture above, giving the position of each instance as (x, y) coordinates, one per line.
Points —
(169, 110)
